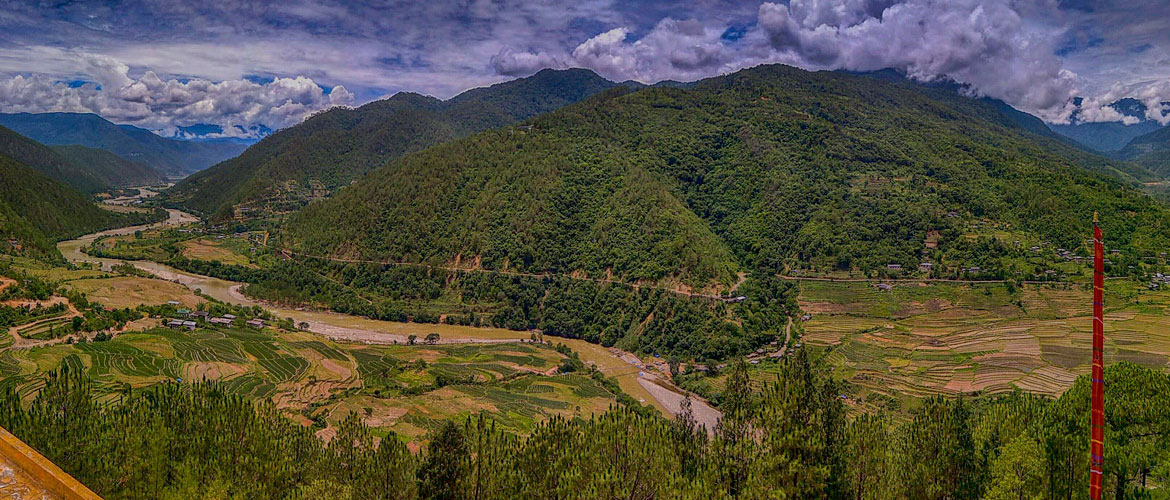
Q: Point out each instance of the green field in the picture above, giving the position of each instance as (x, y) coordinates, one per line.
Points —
(406, 389)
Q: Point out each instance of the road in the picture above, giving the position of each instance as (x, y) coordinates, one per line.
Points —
(662, 394)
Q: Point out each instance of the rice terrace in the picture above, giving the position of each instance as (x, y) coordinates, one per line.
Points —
(499, 250)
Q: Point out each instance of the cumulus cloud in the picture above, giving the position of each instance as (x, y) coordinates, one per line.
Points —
(164, 105)
(673, 49)
(510, 62)
(1033, 54)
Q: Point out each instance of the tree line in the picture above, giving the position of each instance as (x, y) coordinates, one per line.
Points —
(793, 439)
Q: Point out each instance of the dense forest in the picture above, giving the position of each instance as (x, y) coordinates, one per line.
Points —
(1151, 150)
(36, 211)
(769, 168)
(49, 162)
(111, 169)
(339, 145)
(793, 439)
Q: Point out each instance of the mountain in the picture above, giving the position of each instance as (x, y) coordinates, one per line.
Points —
(1151, 151)
(340, 145)
(770, 168)
(48, 162)
(170, 156)
(112, 170)
(1109, 136)
(35, 211)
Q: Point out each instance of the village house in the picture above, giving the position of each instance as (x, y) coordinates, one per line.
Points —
(925, 267)
(894, 267)
(220, 321)
(256, 323)
(229, 316)
(199, 315)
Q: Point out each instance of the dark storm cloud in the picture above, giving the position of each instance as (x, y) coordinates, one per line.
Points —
(173, 63)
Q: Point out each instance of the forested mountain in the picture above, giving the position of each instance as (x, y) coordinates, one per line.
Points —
(339, 145)
(170, 156)
(46, 161)
(1151, 150)
(110, 169)
(771, 168)
(35, 211)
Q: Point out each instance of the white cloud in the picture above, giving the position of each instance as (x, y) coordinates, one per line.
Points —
(163, 105)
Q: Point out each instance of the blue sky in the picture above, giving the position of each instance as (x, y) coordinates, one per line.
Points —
(175, 63)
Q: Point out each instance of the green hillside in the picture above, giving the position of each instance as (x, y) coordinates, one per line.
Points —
(171, 156)
(110, 169)
(36, 211)
(340, 145)
(770, 168)
(49, 162)
(1151, 151)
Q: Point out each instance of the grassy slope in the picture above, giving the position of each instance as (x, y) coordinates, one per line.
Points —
(340, 145)
(110, 169)
(774, 165)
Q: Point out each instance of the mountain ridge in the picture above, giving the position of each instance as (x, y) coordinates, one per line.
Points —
(171, 156)
(341, 144)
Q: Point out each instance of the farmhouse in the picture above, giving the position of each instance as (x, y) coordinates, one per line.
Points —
(175, 324)
(220, 321)
(925, 267)
(229, 316)
(199, 315)
(894, 267)
(256, 323)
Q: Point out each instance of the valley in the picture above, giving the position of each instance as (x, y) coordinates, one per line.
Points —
(331, 364)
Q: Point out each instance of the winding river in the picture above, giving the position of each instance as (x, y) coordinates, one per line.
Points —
(643, 382)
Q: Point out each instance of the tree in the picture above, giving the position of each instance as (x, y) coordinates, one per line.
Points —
(867, 447)
(411, 338)
(446, 464)
(1019, 473)
(431, 338)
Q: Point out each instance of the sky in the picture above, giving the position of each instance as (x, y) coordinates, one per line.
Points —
(169, 64)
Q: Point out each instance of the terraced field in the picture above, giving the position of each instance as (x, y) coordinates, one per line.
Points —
(406, 389)
(918, 340)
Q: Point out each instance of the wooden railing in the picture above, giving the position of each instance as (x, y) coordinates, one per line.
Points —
(28, 474)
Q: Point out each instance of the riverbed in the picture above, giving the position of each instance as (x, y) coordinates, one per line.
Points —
(640, 381)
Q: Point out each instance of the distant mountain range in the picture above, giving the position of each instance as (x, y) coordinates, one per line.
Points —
(340, 145)
(205, 132)
(1109, 137)
(172, 157)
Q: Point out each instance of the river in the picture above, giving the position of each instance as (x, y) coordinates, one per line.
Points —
(645, 383)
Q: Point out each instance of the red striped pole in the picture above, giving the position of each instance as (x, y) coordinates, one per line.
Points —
(1097, 441)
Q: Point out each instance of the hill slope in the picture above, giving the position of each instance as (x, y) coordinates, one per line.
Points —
(36, 211)
(111, 169)
(171, 156)
(1151, 151)
(769, 168)
(49, 162)
(340, 145)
